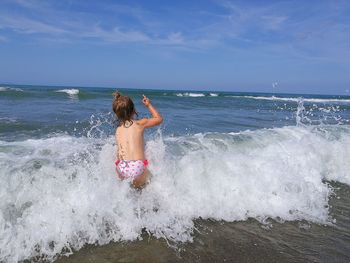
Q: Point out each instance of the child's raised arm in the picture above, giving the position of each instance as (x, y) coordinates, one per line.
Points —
(156, 117)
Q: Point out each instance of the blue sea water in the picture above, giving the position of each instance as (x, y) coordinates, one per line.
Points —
(36, 111)
(222, 156)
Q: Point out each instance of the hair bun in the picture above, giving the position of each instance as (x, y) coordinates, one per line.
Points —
(116, 95)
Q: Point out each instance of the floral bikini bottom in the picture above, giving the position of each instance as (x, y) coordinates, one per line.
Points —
(130, 169)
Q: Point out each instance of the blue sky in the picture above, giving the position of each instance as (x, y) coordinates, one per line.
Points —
(302, 46)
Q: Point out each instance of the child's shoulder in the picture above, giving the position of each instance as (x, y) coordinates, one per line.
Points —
(141, 122)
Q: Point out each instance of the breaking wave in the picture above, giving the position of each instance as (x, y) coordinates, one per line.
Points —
(60, 193)
(10, 89)
(70, 92)
(190, 94)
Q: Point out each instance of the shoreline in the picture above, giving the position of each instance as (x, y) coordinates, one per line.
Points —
(243, 241)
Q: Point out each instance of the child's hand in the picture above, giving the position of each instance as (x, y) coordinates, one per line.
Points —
(146, 101)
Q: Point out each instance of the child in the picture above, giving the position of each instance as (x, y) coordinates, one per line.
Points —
(131, 162)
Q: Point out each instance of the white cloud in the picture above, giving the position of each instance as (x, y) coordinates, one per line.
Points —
(84, 26)
(115, 35)
(28, 26)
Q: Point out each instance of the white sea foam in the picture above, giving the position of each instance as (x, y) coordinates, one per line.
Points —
(213, 94)
(190, 94)
(10, 89)
(63, 192)
(70, 92)
(8, 120)
(311, 100)
(3, 88)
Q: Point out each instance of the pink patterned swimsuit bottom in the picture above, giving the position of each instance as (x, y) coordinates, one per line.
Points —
(130, 169)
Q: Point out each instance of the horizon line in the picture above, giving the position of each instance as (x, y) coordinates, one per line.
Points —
(194, 90)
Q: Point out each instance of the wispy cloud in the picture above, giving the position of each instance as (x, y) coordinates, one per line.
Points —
(116, 35)
(29, 26)
(320, 32)
(85, 26)
(310, 33)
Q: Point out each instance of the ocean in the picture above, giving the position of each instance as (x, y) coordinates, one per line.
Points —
(236, 177)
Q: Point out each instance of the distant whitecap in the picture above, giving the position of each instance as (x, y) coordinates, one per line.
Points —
(10, 89)
(190, 94)
(70, 92)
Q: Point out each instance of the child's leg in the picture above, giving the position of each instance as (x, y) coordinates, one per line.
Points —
(141, 180)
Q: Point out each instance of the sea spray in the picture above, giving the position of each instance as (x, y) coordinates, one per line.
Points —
(300, 113)
(317, 115)
(62, 192)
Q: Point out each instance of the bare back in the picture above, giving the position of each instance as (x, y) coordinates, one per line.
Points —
(129, 138)
(130, 141)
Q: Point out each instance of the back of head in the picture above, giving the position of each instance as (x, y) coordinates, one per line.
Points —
(123, 107)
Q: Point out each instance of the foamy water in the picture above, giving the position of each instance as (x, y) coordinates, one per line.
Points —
(69, 91)
(190, 94)
(194, 95)
(62, 192)
(10, 89)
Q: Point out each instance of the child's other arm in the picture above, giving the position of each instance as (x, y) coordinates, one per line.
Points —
(156, 117)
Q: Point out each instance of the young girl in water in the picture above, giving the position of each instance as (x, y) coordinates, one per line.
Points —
(131, 161)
